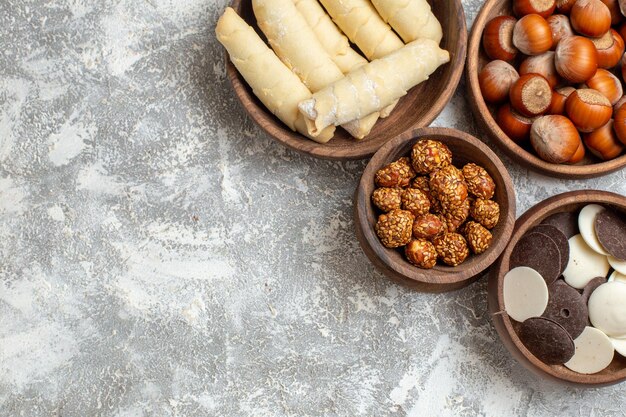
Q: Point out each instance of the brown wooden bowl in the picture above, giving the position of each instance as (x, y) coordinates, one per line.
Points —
(507, 328)
(418, 108)
(391, 262)
(476, 58)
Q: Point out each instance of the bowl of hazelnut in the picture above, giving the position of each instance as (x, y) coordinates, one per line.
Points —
(557, 294)
(434, 209)
(546, 82)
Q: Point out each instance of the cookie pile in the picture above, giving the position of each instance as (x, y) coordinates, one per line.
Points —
(568, 312)
(433, 209)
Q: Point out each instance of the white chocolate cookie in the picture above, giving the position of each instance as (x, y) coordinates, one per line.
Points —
(584, 263)
(525, 293)
(617, 276)
(619, 345)
(594, 352)
(586, 225)
(619, 266)
(607, 309)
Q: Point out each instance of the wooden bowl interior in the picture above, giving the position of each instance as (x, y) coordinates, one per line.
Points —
(418, 108)
(465, 149)
(507, 328)
(485, 113)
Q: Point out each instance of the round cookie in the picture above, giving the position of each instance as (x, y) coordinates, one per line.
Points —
(566, 222)
(607, 309)
(619, 345)
(584, 263)
(566, 307)
(619, 266)
(525, 293)
(557, 237)
(616, 276)
(547, 340)
(539, 252)
(591, 287)
(594, 352)
(586, 225)
(610, 229)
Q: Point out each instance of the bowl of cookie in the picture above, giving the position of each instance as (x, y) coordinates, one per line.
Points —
(434, 209)
(557, 295)
(337, 79)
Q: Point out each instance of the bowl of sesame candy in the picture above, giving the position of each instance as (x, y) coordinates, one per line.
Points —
(434, 209)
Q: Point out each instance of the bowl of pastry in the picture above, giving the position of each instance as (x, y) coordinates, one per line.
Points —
(434, 209)
(545, 80)
(337, 79)
(557, 295)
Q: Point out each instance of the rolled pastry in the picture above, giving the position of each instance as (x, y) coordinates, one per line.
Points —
(361, 23)
(279, 89)
(334, 42)
(373, 86)
(298, 47)
(412, 19)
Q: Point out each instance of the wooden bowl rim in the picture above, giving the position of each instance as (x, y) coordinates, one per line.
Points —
(529, 219)
(487, 121)
(440, 276)
(362, 148)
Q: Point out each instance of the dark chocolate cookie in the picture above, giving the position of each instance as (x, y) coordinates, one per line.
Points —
(539, 252)
(611, 231)
(559, 238)
(566, 222)
(591, 287)
(567, 307)
(547, 340)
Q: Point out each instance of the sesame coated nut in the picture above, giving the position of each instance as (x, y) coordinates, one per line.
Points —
(430, 155)
(449, 186)
(397, 174)
(394, 229)
(415, 201)
(387, 199)
(428, 226)
(485, 212)
(423, 184)
(479, 182)
(478, 238)
(421, 253)
(451, 248)
(456, 216)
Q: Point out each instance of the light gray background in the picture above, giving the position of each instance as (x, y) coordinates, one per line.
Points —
(161, 256)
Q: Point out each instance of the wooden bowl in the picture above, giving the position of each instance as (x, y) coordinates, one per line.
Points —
(418, 108)
(507, 329)
(391, 262)
(484, 114)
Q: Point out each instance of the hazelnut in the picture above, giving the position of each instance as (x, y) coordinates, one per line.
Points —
(394, 229)
(415, 201)
(429, 155)
(396, 174)
(478, 238)
(485, 212)
(427, 226)
(451, 248)
(387, 199)
(479, 182)
(456, 216)
(449, 186)
(421, 253)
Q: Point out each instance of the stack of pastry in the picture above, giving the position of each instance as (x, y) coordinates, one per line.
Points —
(313, 80)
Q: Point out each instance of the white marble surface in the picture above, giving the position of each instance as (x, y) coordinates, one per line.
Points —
(160, 256)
